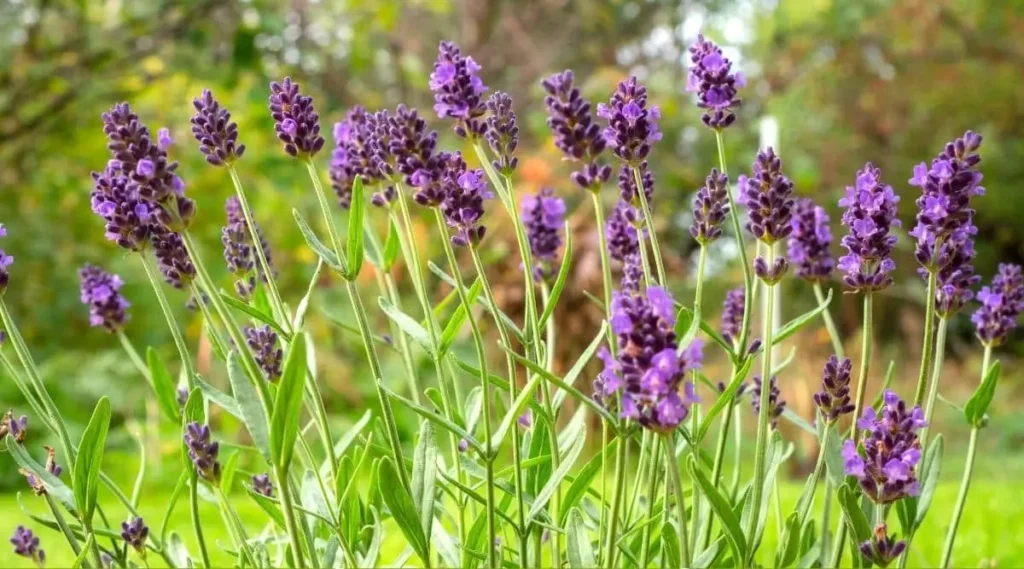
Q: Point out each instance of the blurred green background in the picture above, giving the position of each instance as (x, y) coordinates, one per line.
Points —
(887, 81)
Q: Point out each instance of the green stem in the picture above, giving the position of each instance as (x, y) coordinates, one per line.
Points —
(652, 494)
(391, 291)
(928, 347)
(197, 524)
(677, 487)
(172, 324)
(289, 517)
(649, 221)
(803, 509)
(865, 362)
(133, 355)
(933, 390)
(719, 460)
(63, 524)
(235, 526)
(830, 325)
(734, 217)
(738, 450)
(608, 559)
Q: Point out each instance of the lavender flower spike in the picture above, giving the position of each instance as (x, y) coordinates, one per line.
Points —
(870, 216)
(834, 398)
(881, 549)
(101, 292)
(502, 132)
(885, 464)
(458, 91)
(543, 218)
(463, 206)
(263, 343)
(710, 208)
(768, 196)
(36, 483)
(632, 125)
(135, 534)
(202, 451)
(17, 428)
(296, 122)
(215, 132)
(173, 260)
(128, 218)
(775, 403)
(809, 242)
(26, 544)
(621, 233)
(576, 134)
(711, 77)
(732, 314)
(5, 262)
(1001, 305)
(261, 484)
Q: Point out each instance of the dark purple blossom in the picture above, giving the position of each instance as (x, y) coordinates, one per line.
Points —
(163, 138)
(1001, 304)
(721, 386)
(173, 259)
(632, 273)
(885, 463)
(502, 132)
(621, 232)
(5, 262)
(239, 254)
(881, 549)
(463, 206)
(773, 273)
(775, 403)
(261, 485)
(295, 120)
(768, 196)
(627, 184)
(732, 315)
(128, 218)
(36, 483)
(458, 90)
(632, 125)
(543, 217)
(712, 78)
(135, 533)
(710, 208)
(834, 398)
(361, 143)
(101, 292)
(26, 544)
(650, 371)
(809, 242)
(411, 144)
(576, 134)
(870, 216)
(263, 343)
(17, 428)
(216, 133)
(202, 451)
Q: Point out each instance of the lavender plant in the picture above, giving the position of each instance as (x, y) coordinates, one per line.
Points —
(511, 486)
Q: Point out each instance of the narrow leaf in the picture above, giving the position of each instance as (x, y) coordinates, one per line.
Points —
(437, 419)
(391, 246)
(580, 549)
(303, 306)
(834, 458)
(424, 476)
(84, 553)
(706, 557)
(249, 405)
(977, 405)
(255, 314)
(55, 487)
(269, 506)
(90, 460)
(408, 325)
(560, 280)
(163, 385)
(454, 325)
(791, 416)
(790, 542)
(670, 544)
(724, 399)
(223, 400)
(354, 247)
(581, 484)
(314, 243)
(889, 373)
(284, 422)
(856, 522)
(731, 526)
(567, 462)
(525, 395)
(402, 508)
(929, 477)
(794, 325)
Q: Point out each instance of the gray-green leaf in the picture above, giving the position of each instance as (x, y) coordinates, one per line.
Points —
(90, 459)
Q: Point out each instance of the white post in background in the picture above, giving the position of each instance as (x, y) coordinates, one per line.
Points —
(769, 131)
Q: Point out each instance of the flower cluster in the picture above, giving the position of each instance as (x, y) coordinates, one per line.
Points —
(870, 215)
(621, 233)
(732, 314)
(173, 260)
(295, 120)
(768, 196)
(775, 403)
(809, 242)
(1001, 305)
(202, 451)
(5, 262)
(17, 428)
(543, 217)
(712, 78)
(36, 483)
(632, 125)
(891, 451)
(710, 208)
(881, 549)
(464, 193)
(263, 343)
(261, 485)
(502, 132)
(239, 254)
(576, 134)
(215, 132)
(627, 184)
(458, 90)
(650, 371)
(834, 398)
(101, 292)
(135, 533)
(26, 544)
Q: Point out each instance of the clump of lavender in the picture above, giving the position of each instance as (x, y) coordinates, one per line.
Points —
(458, 90)
(627, 184)
(632, 125)
(775, 403)
(768, 196)
(1001, 305)
(238, 249)
(621, 232)
(202, 451)
(576, 134)
(502, 132)
(215, 132)
(126, 215)
(295, 120)
(870, 216)
(834, 398)
(650, 372)
(712, 78)
(173, 259)
(17, 428)
(263, 343)
(410, 143)
(361, 150)
(135, 533)
(101, 292)
(710, 208)
(809, 242)
(261, 485)
(463, 206)
(543, 217)
(881, 549)
(5, 262)
(51, 466)
(885, 464)
(732, 314)
(26, 544)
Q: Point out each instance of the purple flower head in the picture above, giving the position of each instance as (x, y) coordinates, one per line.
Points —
(1001, 304)
(295, 120)
(502, 132)
(870, 215)
(885, 465)
(263, 343)
(740, 391)
(101, 292)
(239, 254)
(768, 196)
(650, 371)
(710, 208)
(773, 273)
(5, 262)
(834, 398)
(881, 549)
(135, 534)
(955, 278)
(357, 152)
(26, 544)
(809, 242)
(128, 218)
(621, 233)
(732, 315)
(215, 132)
(712, 78)
(202, 451)
(627, 184)
(37, 484)
(543, 217)
(576, 134)
(632, 273)
(172, 259)
(163, 138)
(632, 125)
(261, 485)
(411, 144)
(775, 403)
(458, 91)
(17, 428)
(463, 207)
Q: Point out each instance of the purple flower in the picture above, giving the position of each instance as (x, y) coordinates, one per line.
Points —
(352, 155)
(621, 232)
(740, 391)
(890, 450)
(525, 420)
(809, 242)
(650, 372)
(163, 138)
(128, 218)
(632, 273)
(576, 134)
(36, 483)
(202, 451)
(101, 292)
(1001, 304)
(834, 398)
(5, 262)
(711, 77)
(261, 485)
(502, 132)
(172, 259)
(632, 126)
(732, 315)
(627, 184)
(26, 544)
(263, 343)
(775, 403)
(543, 217)
(135, 534)
(458, 90)
(463, 207)
(216, 133)
(870, 216)
(710, 208)
(881, 549)
(296, 122)
(768, 196)
(463, 445)
(17, 428)
(238, 250)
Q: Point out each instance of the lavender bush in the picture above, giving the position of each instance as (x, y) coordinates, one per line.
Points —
(495, 475)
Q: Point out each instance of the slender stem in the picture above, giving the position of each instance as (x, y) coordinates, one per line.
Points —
(391, 291)
(235, 524)
(606, 267)
(738, 450)
(289, 517)
(837, 549)
(734, 217)
(325, 209)
(677, 487)
(649, 221)
(933, 390)
(826, 521)
(172, 324)
(928, 347)
(865, 362)
(197, 524)
(830, 325)
(133, 355)
(803, 509)
(719, 460)
(652, 495)
(613, 517)
(698, 295)
(63, 525)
